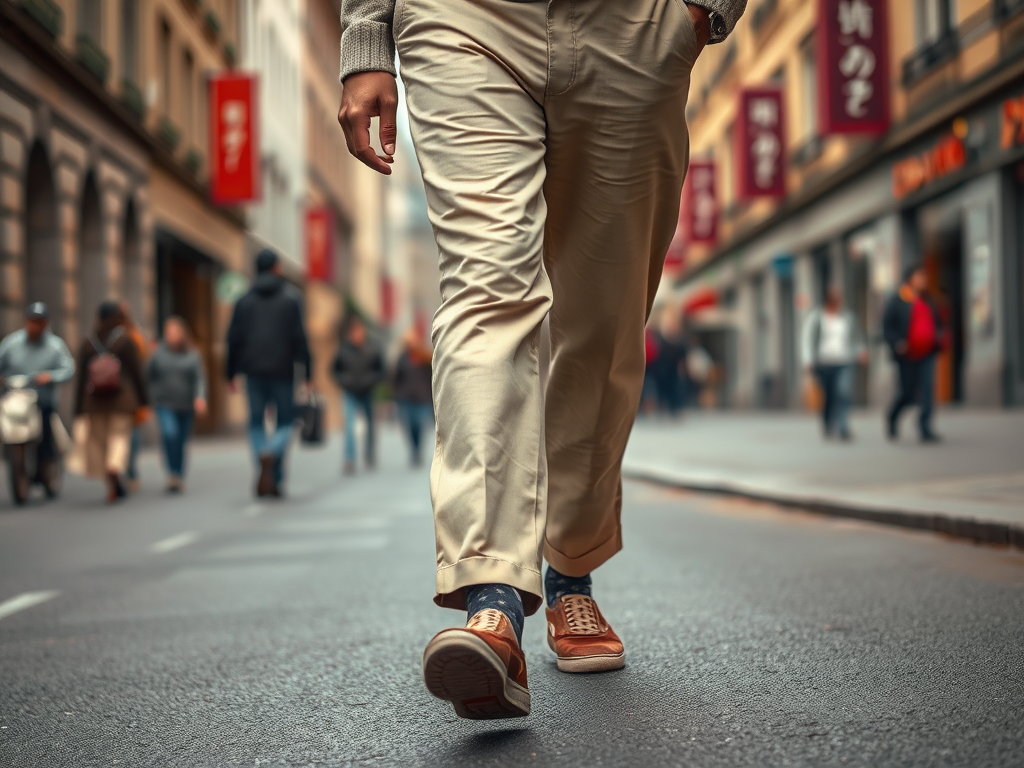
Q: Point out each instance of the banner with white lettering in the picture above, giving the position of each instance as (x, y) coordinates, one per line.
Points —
(761, 144)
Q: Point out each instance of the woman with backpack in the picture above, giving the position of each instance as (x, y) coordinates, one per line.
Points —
(110, 388)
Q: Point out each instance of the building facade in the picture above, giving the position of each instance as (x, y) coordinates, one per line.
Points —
(943, 184)
(104, 163)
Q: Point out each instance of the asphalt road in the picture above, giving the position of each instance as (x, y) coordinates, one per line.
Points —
(210, 630)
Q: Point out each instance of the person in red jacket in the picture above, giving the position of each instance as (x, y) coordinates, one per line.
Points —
(914, 332)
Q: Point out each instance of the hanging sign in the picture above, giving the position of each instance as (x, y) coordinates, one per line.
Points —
(761, 144)
(700, 203)
(234, 138)
(320, 244)
(853, 66)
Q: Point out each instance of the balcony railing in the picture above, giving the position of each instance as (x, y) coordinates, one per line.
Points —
(92, 57)
(46, 14)
(1005, 9)
(131, 97)
(193, 161)
(168, 133)
(211, 23)
(925, 60)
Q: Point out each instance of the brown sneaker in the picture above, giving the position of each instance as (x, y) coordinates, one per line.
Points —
(479, 668)
(581, 637)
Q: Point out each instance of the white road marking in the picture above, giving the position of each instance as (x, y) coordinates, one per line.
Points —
(25, 600)
(174, 542)
(253, 510)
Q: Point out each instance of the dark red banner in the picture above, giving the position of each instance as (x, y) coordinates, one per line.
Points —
(700, 203)
(234, 138)
(320, 244)
(853, 66)
(761, 144)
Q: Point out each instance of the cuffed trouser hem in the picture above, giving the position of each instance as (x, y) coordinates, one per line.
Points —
(452, 581)
(584, 564)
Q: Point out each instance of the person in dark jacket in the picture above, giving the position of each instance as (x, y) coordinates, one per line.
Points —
(177, 385)
(914, 331)
(411, 390)
(358, 368)
(104, 419)
(266, 341)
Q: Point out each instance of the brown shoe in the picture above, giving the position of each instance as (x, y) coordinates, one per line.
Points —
(266, 485)
(479, 668)
(581, 637)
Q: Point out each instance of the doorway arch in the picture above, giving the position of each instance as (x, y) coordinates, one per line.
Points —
(92, 269)
(44, 269)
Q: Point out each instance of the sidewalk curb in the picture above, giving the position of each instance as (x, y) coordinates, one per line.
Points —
(969, 528)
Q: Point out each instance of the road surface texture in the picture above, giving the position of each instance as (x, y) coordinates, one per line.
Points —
(211, 630)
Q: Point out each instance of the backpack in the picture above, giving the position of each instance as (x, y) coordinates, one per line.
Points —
(104, 371)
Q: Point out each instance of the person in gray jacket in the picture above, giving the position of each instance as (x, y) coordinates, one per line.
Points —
(177, 387)
(552, 140)
(37, 352)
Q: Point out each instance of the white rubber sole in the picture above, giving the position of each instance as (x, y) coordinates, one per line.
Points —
(461, 668)
(604, 662)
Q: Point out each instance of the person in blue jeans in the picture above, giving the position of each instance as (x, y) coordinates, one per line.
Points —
(266, 342)
(177, 385)
(411, 388)
(358, 368)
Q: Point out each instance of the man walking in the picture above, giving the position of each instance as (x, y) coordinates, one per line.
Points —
(914, 332)
(266, 340)
(358, 368)
(831, 343)
(553, 145)
(42, 355)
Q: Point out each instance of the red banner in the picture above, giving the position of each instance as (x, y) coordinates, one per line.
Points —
(320, 244)
(853, 66)
(700, 203)
(234, 138)
(761, 144)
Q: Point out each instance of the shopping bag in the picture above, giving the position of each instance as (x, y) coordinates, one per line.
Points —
(311, 414)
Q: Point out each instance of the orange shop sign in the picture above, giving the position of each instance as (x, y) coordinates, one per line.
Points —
(917, 172)
(1013, 123)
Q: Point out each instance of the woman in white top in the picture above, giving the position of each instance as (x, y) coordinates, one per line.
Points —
(831, 344)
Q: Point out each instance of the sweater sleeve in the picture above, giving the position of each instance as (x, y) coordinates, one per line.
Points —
(367, 42)
(730, 11)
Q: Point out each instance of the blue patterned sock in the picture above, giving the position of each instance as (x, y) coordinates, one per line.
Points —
(500, 597)
(557, 584)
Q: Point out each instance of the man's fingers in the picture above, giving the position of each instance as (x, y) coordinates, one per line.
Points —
(369, 158)
(388, 123)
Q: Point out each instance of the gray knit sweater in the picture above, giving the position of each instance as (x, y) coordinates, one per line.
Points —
(367, 44)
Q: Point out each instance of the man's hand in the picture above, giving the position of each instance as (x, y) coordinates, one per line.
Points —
(43, 378)
(366, 95)
(701, 23)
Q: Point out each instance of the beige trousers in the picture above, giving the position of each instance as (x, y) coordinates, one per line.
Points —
(553, 144)
(102, 443)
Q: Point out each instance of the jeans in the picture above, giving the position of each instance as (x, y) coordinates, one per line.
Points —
(263, 393)
(133, 454)
(413, 416)
(175, 430)
(916, 384)
(835, 383)
(353, 405)
(47, 450)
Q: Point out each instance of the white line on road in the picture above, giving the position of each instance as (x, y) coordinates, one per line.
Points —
(174, 542)
(25, 600)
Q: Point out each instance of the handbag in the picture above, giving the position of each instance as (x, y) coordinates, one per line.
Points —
(311, 414)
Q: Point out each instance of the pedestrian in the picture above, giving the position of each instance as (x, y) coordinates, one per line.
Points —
(177, 386)
(411, 390)
(110, 389)
(831, 343)
(915, 333)
(35, 351)
(670, 366)
(357, 369)
(266, 342)
(553, 149)
(142, 414)
(700, 368)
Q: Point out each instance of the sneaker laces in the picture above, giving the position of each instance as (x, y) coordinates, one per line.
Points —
(581, 615)
(486, 620)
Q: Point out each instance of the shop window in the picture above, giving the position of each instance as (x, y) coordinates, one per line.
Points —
(129, 40)
(165, 67)
(188, 94)
(88, 18)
